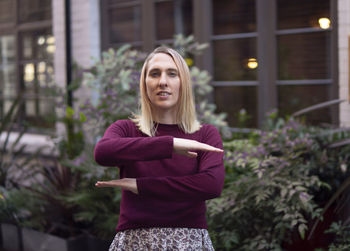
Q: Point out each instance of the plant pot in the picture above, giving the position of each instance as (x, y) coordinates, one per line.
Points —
(38, 241)
(11, 237)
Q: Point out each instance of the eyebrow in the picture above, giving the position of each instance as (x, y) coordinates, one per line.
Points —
(158, 69)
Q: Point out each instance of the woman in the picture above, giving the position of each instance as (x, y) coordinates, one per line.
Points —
(169, 163)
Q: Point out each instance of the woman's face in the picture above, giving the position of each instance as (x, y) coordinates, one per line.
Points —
(163, 82)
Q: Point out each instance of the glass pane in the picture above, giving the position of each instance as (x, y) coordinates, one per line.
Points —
(7, 12)
(34, 10)
(233, 16)
(125, 24)
(293, 98)
(301, 14)
(39, 112)
(173, 17)
(233, 99)
(7, 67)
(304, 56)
(38, 45)
(235, 59)
(46, 107)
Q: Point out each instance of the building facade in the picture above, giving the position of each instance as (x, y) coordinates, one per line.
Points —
(284, 54)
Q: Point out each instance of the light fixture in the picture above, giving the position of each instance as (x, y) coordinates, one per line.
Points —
(29, 72)
(51, 48)
(41, 40)
(50, 40)
(324, 23)
(252, 63)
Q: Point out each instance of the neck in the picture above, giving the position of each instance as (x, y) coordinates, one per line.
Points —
(165, 117)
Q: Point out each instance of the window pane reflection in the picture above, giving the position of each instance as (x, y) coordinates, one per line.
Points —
(7, 67)
(232, 99)
(173, 17)
(294, 98)
(34, 10)
(232, 59)
(7, 73)
(301, 14)
(233, 16)
(125, 24)
(304, 56)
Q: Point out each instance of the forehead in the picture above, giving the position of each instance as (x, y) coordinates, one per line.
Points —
(161, 61)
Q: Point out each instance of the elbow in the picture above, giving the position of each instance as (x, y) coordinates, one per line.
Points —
(214, 192)
(97, 157)
(215, 189)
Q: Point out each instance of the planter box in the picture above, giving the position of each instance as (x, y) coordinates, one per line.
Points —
(14, 237)
(38, 241)
(10, 236)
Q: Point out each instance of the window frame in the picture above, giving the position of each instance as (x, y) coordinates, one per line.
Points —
(16, 29)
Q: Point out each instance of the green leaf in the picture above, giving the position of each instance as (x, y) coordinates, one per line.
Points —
(302, 228)
(69, 112)
(82, 117)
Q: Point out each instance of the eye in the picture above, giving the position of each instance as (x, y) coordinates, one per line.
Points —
(173, 74)
(154, 74)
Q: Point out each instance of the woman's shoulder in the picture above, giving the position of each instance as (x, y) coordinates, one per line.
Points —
(125, 123)
(128, 126)
(208, 130)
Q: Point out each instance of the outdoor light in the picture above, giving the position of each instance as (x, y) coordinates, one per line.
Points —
(324, 22)
(252, 63)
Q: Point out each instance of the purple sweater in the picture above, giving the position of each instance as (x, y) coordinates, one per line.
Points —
(172, 188)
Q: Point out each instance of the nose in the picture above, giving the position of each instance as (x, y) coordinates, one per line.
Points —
(163, 80)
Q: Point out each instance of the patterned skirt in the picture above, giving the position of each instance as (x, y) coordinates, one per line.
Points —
(189, 239)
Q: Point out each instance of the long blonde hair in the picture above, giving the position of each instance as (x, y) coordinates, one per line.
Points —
(185, 114)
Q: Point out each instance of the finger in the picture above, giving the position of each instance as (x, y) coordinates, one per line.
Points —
(106, 184)
(192, 154)
(210, 148)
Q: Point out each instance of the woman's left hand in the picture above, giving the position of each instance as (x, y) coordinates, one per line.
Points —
(126, 183)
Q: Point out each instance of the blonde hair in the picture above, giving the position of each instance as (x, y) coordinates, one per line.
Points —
(185, 113)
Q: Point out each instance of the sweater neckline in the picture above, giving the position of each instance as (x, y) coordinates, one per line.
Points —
(165, 126)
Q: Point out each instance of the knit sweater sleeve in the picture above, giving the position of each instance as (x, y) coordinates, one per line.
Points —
(118, 146)
(206, 184)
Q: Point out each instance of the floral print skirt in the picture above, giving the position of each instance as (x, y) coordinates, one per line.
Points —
(189, 239)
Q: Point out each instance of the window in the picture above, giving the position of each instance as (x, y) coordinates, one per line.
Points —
(234, 42)
(304, 39)
(124, 19)
(262, 55)
(26, 62)
(173, 17)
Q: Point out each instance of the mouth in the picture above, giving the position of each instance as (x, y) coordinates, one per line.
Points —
(163, 94)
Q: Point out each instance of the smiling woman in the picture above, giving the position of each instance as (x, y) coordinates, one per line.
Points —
(169, 163)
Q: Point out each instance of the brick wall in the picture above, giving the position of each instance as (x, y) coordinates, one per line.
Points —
(343, 50)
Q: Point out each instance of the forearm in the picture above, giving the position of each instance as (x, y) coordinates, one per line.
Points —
(113, 151)
(201, 186)
(128, 184)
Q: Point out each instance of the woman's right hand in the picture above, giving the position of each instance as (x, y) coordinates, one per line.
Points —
(187, 147)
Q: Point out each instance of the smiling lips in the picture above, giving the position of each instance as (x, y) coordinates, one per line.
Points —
(163, 94)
